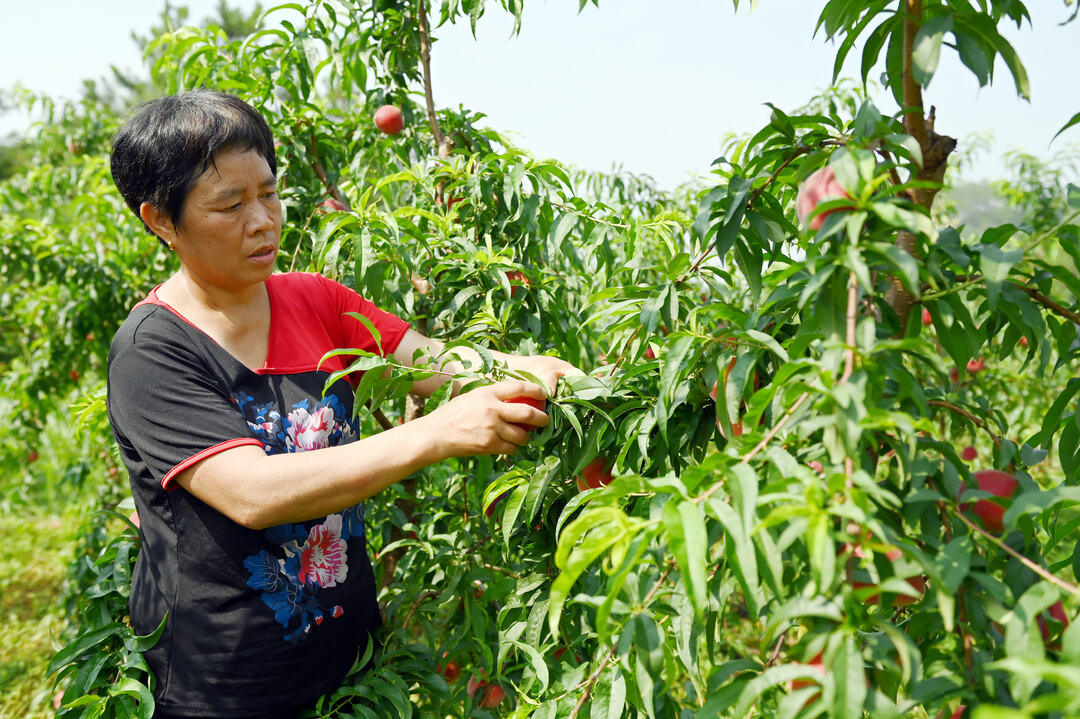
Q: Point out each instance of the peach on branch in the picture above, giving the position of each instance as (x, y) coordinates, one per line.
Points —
(539, 404)
(331, 205)
(821, 186)
(998, 483)
(597, 473)
(389, 119)
(918, 583)
(517, 280)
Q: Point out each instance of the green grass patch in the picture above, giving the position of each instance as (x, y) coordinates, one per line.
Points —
(37, 550)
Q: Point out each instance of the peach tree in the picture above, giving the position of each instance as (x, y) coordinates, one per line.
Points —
(781, 370)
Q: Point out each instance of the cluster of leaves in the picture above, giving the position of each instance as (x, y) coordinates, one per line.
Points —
(777, 431)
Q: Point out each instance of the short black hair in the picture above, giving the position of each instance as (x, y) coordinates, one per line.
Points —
(170, 142)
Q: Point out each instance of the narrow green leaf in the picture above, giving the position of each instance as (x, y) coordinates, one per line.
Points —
(849, 681)
(688, 541)
(927, 49)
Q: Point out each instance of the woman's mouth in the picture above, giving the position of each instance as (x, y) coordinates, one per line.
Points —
(264, 255)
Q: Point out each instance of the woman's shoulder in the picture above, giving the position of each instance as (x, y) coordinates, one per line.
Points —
(152, 326)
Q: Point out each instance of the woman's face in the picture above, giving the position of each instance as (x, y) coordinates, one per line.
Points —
(230, 227)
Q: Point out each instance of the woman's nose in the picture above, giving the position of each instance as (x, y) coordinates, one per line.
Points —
(262, 219)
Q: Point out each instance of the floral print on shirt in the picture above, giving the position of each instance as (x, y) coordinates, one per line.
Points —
(314, 559)
(310, 559)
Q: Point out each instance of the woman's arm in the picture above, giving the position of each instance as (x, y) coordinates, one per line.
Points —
(546, 368)
(259, 491)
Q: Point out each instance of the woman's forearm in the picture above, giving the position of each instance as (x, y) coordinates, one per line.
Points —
(259, 491)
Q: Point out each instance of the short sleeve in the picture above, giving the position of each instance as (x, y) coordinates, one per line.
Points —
(167, 406)
(390, 327)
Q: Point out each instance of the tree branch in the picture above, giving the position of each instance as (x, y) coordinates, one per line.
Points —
(968, 416)
(914, 122)
(591, 679)
(1049, 303)
(1041, 571)
(441, 140)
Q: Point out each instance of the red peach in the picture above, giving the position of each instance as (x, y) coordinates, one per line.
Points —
(820, 186)
(597, 473)
(331, 205)
(999, 484)
(539, 404)
(493, 696)
(389, 119)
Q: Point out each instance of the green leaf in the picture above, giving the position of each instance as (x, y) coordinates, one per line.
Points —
(536, 661)
(1074, 121)
(973, 56)
(137, 691)
(673, 363)
(583, 542)
(609, 695)
(849, 681)
(927, 50)
(1019, 72)
(689, 542)
(996, 264)
(740, 549)
(1038, 501)
(82, 644)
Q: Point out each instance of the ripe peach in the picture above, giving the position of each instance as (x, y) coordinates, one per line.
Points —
(999, 484)
(493, 696)
(597, 473)
(820, 186)
(389, 119)
(331, 205)
(517, 280)
(539, 404)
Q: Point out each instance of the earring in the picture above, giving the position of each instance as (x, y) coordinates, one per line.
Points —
(172, 247)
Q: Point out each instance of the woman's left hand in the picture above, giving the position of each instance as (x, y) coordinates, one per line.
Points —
(544, 367)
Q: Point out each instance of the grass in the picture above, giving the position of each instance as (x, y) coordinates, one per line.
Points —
(37, 550)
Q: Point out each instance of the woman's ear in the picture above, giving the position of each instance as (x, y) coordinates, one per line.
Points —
(158, 222)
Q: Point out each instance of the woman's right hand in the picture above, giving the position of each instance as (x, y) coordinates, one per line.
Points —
(482, 422)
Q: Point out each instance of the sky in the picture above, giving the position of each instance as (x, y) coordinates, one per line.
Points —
(642, 85)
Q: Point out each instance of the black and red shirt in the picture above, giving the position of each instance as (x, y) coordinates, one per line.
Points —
(258, 620)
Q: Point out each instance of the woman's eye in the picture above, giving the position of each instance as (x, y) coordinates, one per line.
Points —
(271, 195)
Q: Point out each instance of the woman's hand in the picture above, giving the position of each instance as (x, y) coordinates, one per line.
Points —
(549, 369)
(482, 422)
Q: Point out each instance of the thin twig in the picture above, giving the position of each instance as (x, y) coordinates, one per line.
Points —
(425, 60)
(568, 208)
(968, 416)
(588, 683)
(799, 151)
(382, 419)
(1049, 303)
(416, 605)
(1070, 588)
(760, 445)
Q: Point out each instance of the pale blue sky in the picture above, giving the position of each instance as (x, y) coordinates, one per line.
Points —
(650, 86)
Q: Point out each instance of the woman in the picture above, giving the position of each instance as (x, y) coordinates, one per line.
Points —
(248, 481)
